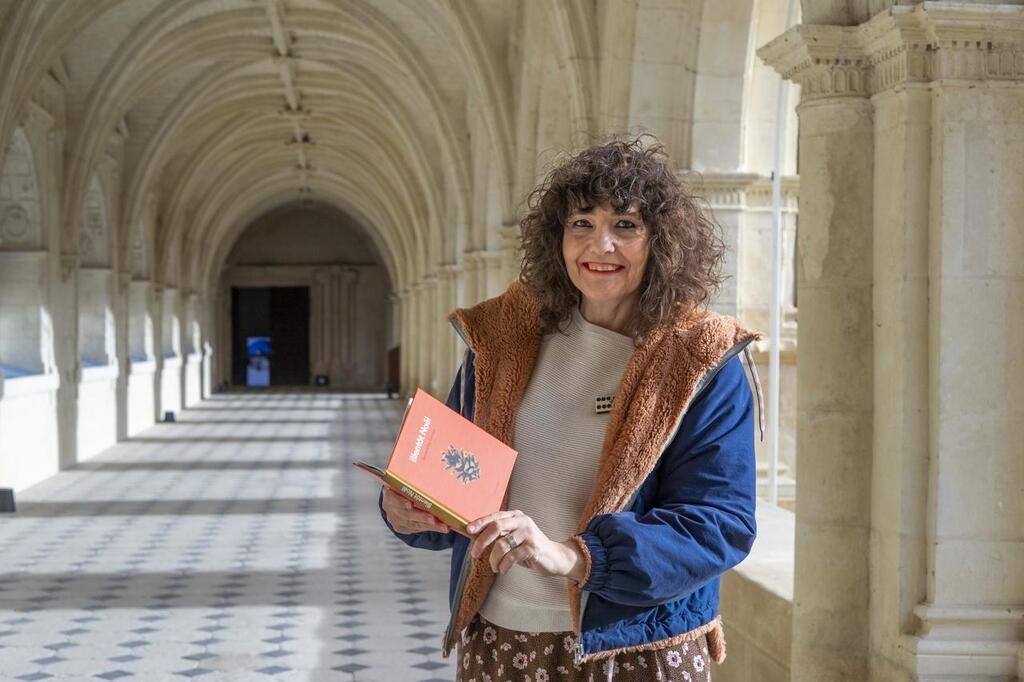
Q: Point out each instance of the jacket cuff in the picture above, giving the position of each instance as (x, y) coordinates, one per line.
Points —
(597, 561)
(587, 561)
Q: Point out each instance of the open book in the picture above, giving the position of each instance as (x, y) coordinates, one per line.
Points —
(446, 464)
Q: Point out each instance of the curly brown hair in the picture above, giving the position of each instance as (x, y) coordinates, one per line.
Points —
(684, 267)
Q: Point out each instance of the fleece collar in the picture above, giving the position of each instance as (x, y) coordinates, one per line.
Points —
(657, 385)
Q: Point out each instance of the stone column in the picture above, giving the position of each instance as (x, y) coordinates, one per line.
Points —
(725, 195)
(471, 290)
(491, 263)
(970, 623)
(406, 355)
(426, 331)
(834, 372)
(347, 281)
(946, 599)
(443, 332)
(511, 256)
(319, 314)
(122, 316)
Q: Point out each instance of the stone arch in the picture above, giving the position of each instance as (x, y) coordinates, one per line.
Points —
(767, 20)
(26, 338)
(20, 208)
(155, 51)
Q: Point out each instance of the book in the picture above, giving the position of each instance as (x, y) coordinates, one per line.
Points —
(446, 464)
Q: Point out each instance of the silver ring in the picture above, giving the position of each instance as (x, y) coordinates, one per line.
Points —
(512, 544)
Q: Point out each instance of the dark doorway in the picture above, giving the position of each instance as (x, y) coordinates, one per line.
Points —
(280, 315)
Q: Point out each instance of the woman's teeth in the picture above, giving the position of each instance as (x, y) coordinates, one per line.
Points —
(602, 267)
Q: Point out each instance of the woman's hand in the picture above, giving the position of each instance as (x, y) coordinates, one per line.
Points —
(406, 518)
(533, 549)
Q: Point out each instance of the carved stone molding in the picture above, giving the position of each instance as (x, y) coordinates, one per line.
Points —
(743, 191)
(923, 43)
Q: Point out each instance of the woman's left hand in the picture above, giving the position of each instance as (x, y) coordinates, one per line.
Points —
(533, 549)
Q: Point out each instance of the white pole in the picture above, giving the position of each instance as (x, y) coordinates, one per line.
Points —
(776, 304)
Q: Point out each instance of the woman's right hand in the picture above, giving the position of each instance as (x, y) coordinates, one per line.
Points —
(406, 518)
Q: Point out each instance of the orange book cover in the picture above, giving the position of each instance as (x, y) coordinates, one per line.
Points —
(446, 463)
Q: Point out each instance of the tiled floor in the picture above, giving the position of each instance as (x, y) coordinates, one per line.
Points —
(235, 544)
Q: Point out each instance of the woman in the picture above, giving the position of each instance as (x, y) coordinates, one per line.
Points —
(634, 486)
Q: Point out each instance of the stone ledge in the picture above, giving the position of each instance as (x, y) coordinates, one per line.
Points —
(757, 602)
(16, 387)
(98, 373)
(142, 367)
(770, 562)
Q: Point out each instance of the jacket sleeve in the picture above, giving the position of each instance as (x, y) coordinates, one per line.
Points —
(428, 539)
(701, 522)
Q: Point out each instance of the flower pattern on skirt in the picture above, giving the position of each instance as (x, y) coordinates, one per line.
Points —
(489, 653)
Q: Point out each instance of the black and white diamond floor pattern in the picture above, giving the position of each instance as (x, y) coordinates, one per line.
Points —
(235, 544)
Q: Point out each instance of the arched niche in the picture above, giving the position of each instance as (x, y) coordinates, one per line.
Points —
(314, 245)
(26, 337)
(95, 281)
(94, 230)
(141, 324)
(19, 198)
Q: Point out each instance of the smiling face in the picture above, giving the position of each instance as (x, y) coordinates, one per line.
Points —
(606, 250)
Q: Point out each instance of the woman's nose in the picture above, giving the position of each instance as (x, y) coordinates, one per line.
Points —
(605, 240)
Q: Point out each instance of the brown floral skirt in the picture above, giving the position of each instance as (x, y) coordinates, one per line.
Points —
(490, 653)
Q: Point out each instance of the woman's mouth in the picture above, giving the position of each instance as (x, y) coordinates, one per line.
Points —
(602, 268)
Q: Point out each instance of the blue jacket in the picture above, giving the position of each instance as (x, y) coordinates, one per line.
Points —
(656, 546)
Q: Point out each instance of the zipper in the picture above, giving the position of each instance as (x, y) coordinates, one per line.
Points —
(578, 654)
(467, 561)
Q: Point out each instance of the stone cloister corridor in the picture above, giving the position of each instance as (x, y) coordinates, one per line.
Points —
(231, 232)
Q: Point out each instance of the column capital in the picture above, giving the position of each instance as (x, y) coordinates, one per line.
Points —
(827, 61)
(449, 271)
(904, 44)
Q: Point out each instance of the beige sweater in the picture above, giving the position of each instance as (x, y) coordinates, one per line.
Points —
(558, 435)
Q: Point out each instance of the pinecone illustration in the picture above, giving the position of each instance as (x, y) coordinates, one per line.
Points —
(461, 464)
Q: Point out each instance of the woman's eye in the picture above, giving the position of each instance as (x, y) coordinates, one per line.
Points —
(580, 223)
(626, 224)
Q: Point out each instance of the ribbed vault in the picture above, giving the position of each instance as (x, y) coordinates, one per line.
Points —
(351, 101)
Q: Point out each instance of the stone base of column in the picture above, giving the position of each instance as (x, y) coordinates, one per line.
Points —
(966, 643)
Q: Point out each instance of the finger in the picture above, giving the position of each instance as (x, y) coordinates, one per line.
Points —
(492, 532)
(521, 554)
(421, 518)
(395, 501)
(498, 551)
(498, 528)
(476, 525)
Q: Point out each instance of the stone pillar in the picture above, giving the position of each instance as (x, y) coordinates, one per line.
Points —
(946, 553)
(406, 355)
(834, 372)
(725, 195)
(511, 256)
(319, 314)
(472, 288)
(491, 263)
(122, 315)
(451, 345)
(426, 331)
(224, 337)
(345, 281)
(170, 351)
(971, 621)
